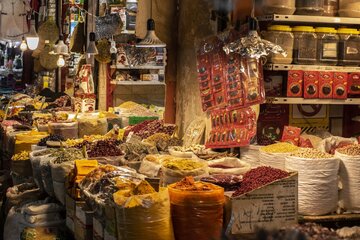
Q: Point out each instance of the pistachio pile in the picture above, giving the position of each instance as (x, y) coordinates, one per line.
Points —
(351, 150)
(310, 153)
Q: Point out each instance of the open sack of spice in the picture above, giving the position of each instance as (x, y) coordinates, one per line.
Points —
(131, 196)
(232, 166)
(175, 169)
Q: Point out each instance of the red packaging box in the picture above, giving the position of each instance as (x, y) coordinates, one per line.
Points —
(311, 84)
(326, 84)
(295, 83)
(340, 85)
(354, 83)
(291, 135)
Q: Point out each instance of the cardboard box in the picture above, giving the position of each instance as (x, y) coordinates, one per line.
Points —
(326, 80)
(340, 85)
(268, 207)
(84, 214)
(311, 84)
(295, 83)
(354, 83)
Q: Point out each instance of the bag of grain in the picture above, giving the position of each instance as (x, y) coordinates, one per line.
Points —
(349, 177)
(274, 155)
(317, 180)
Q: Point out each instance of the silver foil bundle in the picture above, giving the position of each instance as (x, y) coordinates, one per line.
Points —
(252, 46)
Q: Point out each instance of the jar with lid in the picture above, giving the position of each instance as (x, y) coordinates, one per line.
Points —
(349, 46)
(349, 8)
(331, 7)
(305, 45)
(281, 35)
(327, 50)
(286, 7)
(310, 7)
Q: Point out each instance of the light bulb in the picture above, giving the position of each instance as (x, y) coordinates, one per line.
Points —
(32, 38)
(23, 45)
(61, 61)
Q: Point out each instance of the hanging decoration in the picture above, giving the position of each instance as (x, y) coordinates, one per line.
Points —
(78, 39)
(108, 25)
(48, 30)
(104, 55)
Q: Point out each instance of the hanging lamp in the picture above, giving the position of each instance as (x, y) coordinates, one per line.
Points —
(32, 38)
(150, 38)
(23, 45)
(92, 49)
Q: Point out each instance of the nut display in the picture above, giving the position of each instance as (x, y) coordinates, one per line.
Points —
(310, 153)
(281, 147)
(351, 150)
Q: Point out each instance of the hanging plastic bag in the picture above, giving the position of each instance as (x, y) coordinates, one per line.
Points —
(108, 25)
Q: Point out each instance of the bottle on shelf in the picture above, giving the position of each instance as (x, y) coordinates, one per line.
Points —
(305, 45)
(310, 7)
(327, 41)
(349, 47)
(281, 35)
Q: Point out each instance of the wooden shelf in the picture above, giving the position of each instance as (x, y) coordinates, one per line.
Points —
(313, 20)
(287, 67)
(141, 83)
(138, 67)
(285, 100)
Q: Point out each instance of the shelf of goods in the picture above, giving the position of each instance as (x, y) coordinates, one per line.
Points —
(309, 19)
(285, 100)
(146, 83)
(287, 67)
(137, 67)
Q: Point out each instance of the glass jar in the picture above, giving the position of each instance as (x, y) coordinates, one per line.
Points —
(305, 45)
(281, 35)
(286, 7)
(310, 7)
(349, 46)
(327, 41)
(349, 8)
(331, 7)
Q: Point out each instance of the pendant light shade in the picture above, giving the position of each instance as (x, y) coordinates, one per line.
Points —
(32, 38)
(151, 39)
(92, 49)
(61, 47)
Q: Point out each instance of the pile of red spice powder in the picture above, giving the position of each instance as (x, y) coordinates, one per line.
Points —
(258, 177)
